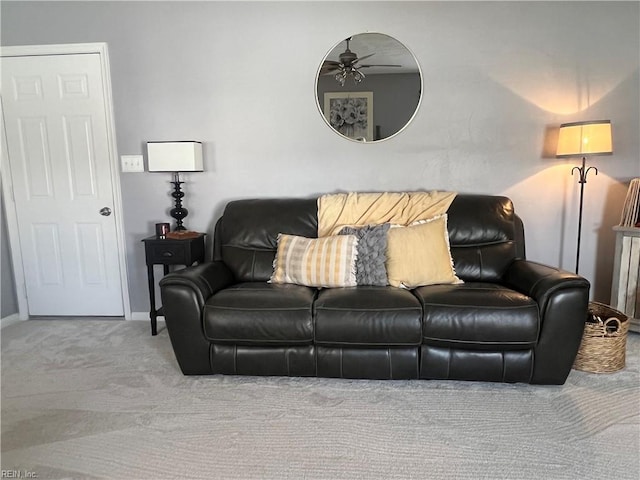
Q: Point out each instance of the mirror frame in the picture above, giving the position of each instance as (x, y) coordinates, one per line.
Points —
(321, 107)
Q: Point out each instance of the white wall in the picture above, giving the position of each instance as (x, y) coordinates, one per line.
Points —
(498, 79)
(8, 300)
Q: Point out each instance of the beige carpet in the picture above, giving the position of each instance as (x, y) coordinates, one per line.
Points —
(89, 399)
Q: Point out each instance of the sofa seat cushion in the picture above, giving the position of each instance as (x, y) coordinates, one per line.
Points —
(259, 313)
(478, 316)
(367, 316)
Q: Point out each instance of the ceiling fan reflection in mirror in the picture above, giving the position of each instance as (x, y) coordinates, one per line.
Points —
(348, 66)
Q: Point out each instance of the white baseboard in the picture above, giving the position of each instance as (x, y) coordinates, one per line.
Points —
(135, 316)
(10, 320)
(143, 316)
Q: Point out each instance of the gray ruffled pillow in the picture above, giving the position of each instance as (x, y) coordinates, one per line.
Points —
(372, 253)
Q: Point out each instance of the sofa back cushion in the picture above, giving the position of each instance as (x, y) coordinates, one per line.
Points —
(485, 235)
(247, 235)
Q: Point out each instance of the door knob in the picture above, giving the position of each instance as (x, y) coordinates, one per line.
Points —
(105, 211)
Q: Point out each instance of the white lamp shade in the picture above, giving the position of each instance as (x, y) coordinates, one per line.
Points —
(584, 138)
(175, 156)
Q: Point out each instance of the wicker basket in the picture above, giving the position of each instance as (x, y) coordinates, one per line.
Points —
(604, 342)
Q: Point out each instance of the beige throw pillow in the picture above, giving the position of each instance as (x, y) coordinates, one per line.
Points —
(419, 255)
(316, 262)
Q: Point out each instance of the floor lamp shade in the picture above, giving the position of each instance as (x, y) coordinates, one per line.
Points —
(584, 138)
(175, 157)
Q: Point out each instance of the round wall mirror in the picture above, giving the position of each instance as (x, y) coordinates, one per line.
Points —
(368, 87)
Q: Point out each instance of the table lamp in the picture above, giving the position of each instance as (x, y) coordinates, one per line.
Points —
(176, 157)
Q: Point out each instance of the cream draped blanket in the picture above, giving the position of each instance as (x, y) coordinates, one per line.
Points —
(338, 210)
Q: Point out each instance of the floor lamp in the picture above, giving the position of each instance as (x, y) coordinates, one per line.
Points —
(175, 157)
(580, 139)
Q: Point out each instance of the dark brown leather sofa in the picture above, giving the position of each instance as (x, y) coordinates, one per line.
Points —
(511, 320)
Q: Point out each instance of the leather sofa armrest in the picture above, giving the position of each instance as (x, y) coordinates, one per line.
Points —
(563, 299)
(540, 281)
(204, 279)
(184, 294)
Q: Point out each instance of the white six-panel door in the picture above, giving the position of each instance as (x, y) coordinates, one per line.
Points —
(58, 151)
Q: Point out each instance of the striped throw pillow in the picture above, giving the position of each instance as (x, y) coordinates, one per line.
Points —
(316, 262)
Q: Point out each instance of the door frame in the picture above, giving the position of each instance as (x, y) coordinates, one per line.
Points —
(7, 183)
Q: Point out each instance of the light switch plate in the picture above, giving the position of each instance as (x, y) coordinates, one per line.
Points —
(132, 163)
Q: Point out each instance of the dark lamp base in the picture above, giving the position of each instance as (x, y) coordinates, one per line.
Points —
(178, 212)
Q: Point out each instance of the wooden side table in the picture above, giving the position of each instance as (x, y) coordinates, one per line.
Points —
(166, 252)
(625, 287)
